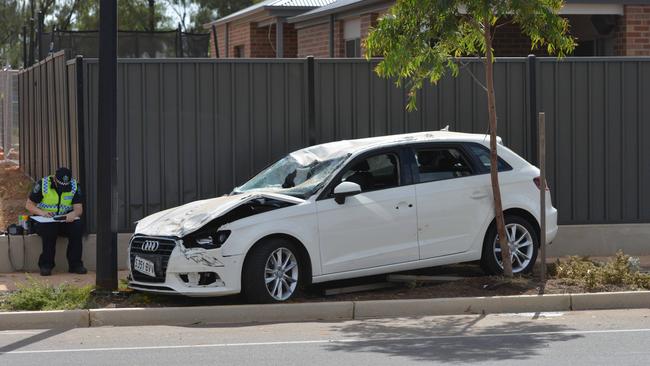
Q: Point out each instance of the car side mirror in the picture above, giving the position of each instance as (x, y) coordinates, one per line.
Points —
(345, 189)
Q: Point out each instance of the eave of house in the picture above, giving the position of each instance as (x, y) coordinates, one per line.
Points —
(265, 9)
(347, 8)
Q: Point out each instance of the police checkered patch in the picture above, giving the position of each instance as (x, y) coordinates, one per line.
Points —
(37, 187)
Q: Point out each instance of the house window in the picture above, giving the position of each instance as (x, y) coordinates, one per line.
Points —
(239, 51)
(352, 37)
(353, 48)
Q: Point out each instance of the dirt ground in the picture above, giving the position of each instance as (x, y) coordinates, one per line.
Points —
(14, 189)
(473, 283)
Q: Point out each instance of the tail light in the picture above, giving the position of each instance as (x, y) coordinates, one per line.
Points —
(538, 183)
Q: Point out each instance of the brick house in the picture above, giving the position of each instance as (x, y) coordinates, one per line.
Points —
(261, 30)
(338, 28)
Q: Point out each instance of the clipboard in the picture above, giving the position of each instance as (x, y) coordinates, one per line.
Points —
(47, 220)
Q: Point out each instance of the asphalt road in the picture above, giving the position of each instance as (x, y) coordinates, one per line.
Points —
(620, 337)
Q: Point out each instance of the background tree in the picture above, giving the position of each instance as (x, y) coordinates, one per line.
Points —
(70, 15)
(210, 10)
(421, 40)
(84, 15)
(12, 18)
(131, 15)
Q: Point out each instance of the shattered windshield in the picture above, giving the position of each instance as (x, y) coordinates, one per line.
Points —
(295, 175)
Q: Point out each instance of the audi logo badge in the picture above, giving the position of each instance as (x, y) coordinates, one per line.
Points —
(150, 245)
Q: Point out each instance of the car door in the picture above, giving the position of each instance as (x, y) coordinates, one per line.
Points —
(453, 201)
(373, 228)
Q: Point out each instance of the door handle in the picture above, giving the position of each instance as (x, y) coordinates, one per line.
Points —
(478, 195)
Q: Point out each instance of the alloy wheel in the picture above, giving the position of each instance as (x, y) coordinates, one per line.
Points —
(521, 247)
(281, 274)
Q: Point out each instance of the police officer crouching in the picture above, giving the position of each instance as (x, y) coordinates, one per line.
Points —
(58, 195)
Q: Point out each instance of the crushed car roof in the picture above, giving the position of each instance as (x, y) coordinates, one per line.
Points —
(332, 150)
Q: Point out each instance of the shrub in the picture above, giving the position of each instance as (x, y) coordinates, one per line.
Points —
(35, 295)
(623, 270)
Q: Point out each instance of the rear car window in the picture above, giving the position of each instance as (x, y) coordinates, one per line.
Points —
(441, 163)
(483, 155)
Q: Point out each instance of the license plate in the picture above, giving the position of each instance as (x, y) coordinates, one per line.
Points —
(144, 266)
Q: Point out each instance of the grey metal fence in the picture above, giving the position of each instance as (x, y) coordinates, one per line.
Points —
(48, 138)
(194, 128)
(8, 110)
(131, 44)
(598, 135)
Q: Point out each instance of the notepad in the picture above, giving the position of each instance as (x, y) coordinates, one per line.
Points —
(46, 220)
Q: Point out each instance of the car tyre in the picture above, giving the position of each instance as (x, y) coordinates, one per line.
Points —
(272, 272)
(525, 256)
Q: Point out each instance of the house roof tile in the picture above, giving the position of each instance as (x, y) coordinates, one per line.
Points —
(277, 4)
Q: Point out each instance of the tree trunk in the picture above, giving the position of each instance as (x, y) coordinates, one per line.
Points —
(506, 258)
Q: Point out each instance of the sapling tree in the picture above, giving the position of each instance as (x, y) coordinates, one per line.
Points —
(421, 40)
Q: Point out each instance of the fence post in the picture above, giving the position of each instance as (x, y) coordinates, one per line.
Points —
(51, 48)
(152, 16)
(24, 46)
(39, 43)
(532, 103)
(179, 41)
(106, 179)
(81, 147)
(216, 41)
(32, 41)
(542, 193)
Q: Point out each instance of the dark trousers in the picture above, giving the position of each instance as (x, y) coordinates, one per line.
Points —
(49, 232)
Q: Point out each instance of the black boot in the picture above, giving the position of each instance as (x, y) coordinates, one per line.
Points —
(78, 270)
(46, 271)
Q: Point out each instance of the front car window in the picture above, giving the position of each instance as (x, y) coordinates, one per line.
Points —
(373, 173)
(294, 175)
(441, 163)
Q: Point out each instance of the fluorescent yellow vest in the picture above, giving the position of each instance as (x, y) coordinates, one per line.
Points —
(52, 202)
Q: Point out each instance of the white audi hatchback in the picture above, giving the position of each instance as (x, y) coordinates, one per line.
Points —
(345, 209)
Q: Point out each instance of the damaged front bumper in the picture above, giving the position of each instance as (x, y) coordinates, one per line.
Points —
(170, 268)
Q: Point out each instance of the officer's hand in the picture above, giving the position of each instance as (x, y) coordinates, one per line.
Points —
(70, 217)
(46, 214)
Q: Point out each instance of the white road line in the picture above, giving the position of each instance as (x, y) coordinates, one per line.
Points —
(10, 332)
(327, 341)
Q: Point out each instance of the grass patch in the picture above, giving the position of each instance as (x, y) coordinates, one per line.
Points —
(622, 270)
(35, 295)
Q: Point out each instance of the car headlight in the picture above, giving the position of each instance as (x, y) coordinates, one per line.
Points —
(208, 240)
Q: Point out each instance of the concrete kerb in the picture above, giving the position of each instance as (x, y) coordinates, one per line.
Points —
(612, 300)
(55, 319)
(320, 311)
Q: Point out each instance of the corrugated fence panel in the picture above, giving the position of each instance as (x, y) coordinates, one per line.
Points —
(194, 128)
(353, 102)
(45, 124)
(597, 132)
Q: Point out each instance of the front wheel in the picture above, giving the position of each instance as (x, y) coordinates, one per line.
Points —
(272, 272)
(522, 240)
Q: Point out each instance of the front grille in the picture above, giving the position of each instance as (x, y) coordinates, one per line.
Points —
(160, 257)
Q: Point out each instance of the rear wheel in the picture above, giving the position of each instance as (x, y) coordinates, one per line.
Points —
(522, 240)
(271, 272)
